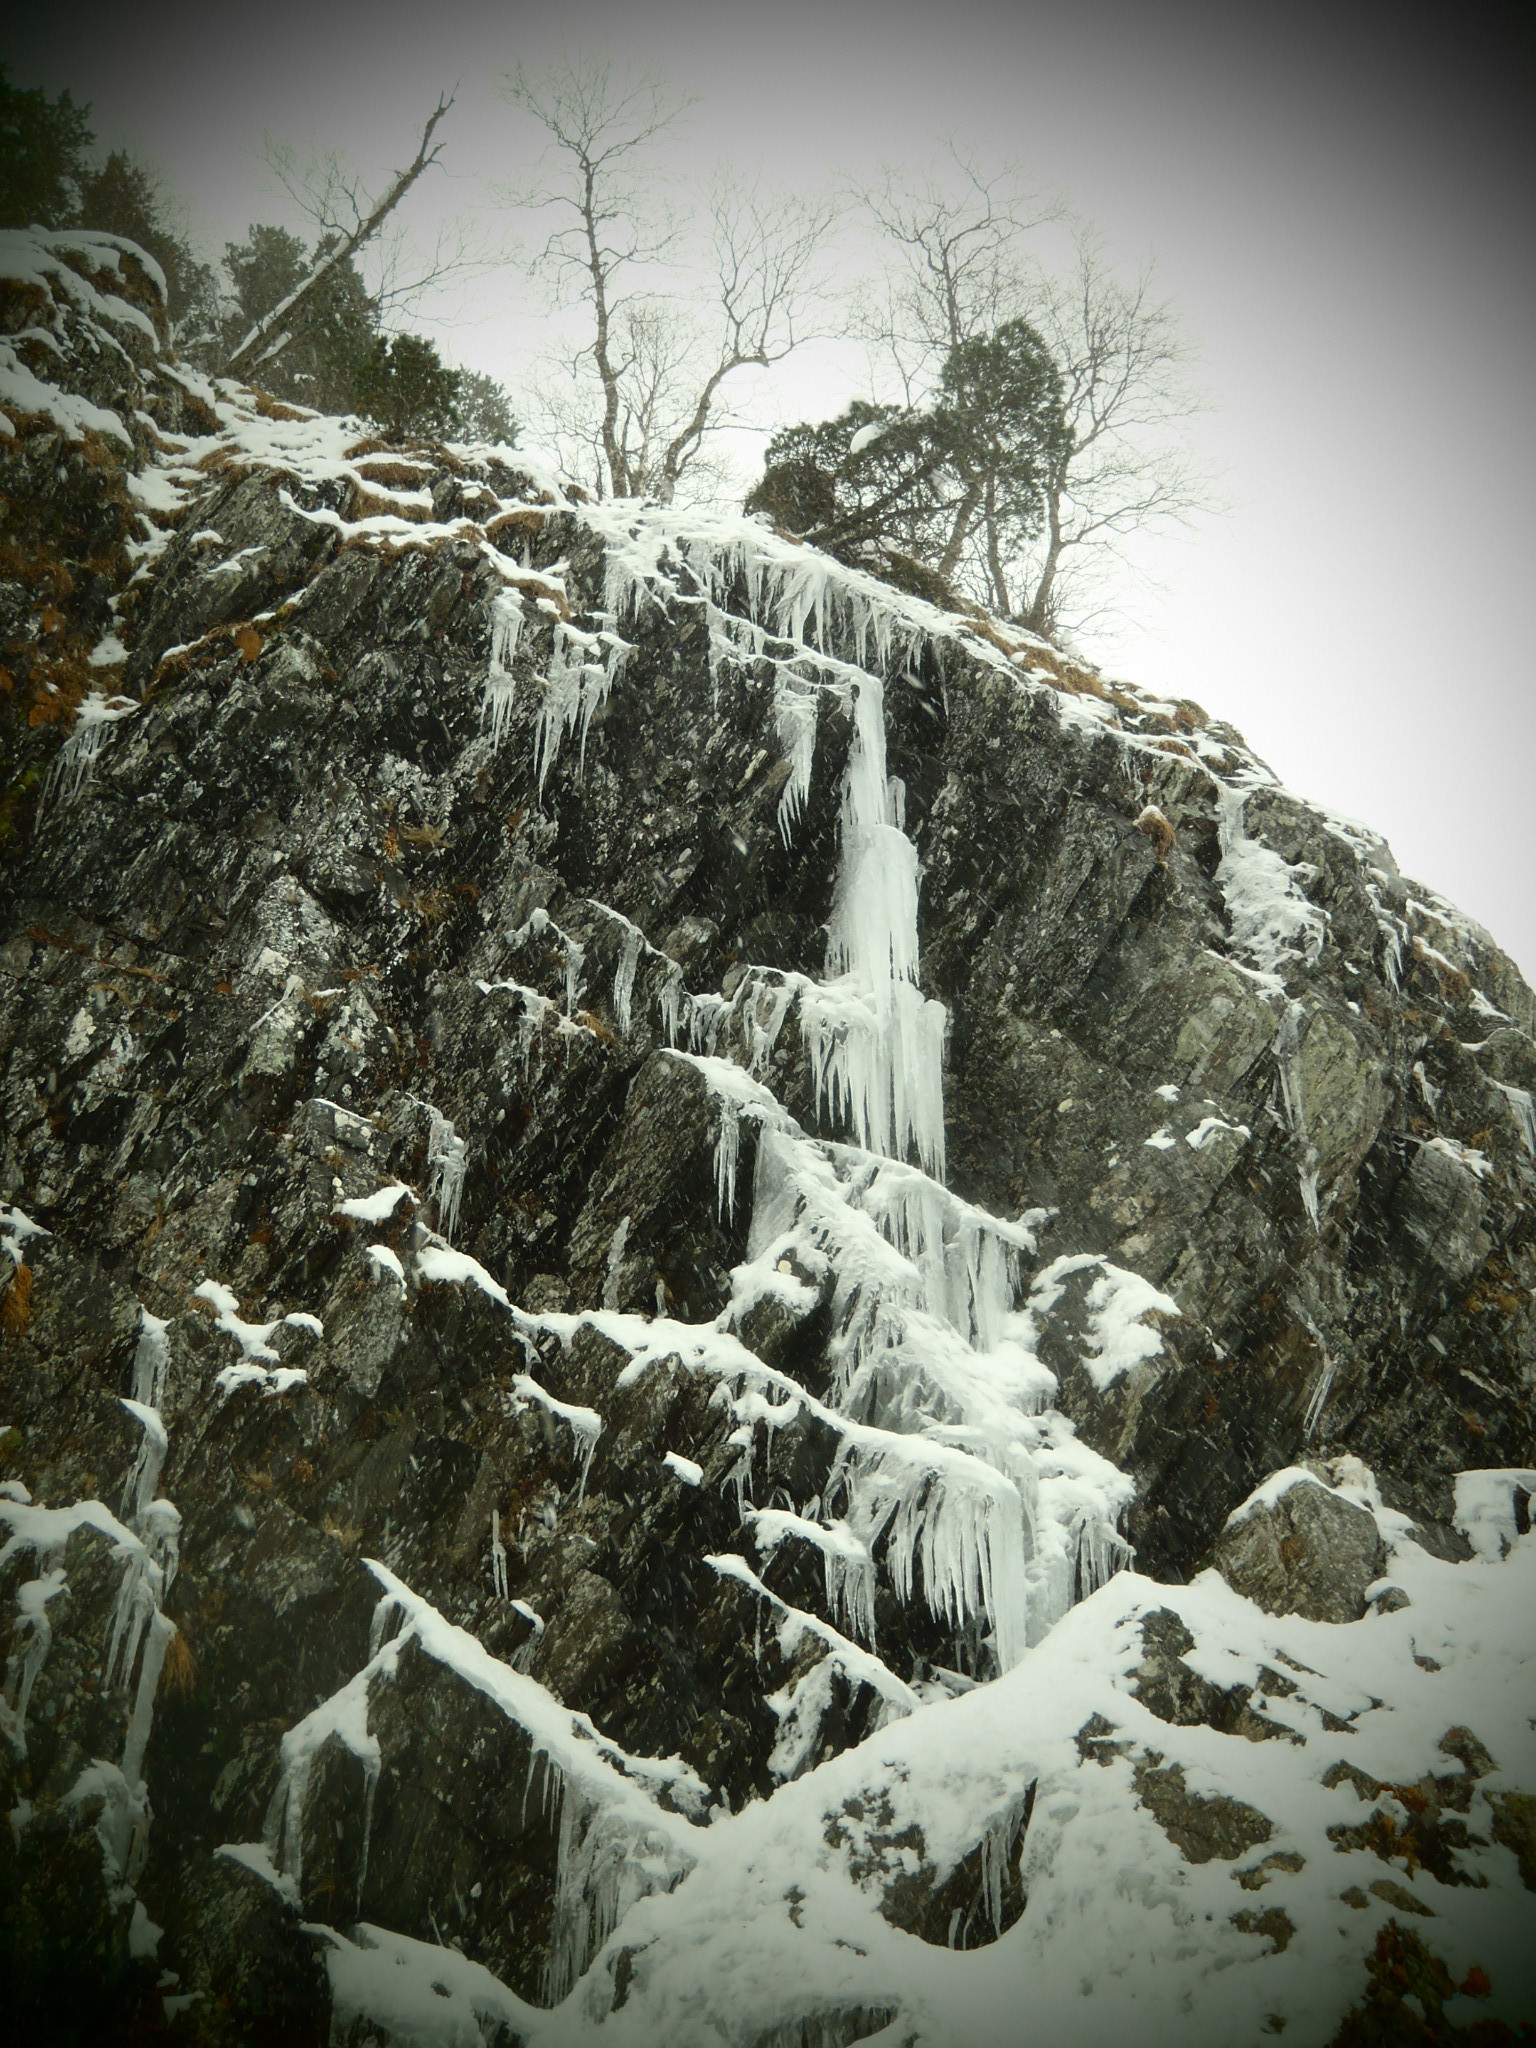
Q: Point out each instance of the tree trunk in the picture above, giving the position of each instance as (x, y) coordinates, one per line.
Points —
(271, 323)
(994, 550)
(1038, 616)
(965, 512)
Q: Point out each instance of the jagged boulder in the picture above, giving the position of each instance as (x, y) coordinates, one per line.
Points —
(1299, 1548)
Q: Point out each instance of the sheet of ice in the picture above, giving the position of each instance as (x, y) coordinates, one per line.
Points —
(1523, 1110)
(75, 763)
(1272, 920)
(448, 1160)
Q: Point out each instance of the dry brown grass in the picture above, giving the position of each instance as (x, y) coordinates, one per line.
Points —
(365, 505)
(1157, 829)
(524, 519)
(178, 1674)
(430, 905)
(535, 588)
(16, 1302)
(395, 474)
(271, 408)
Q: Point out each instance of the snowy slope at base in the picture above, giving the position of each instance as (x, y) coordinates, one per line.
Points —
(1122, 1939)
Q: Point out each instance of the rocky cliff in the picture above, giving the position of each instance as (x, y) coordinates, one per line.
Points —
(733, 1311)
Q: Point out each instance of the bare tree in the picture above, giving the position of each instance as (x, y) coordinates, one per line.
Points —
(1128, 467)
(341, 241)
(962, 263)
(629, 257)
(331, 194)
(960, 236)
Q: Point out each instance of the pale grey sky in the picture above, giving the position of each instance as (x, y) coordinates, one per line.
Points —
(1339, 202)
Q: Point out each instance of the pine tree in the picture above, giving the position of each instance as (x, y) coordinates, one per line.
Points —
(485, 410)
(121, 198)
(954, 486)
(405, 387)
(317, 362)
(43, 149)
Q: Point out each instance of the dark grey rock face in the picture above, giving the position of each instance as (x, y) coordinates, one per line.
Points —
(324, 907)
(1307, 1552)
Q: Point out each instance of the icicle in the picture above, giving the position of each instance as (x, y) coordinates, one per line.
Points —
(727, 1155)
(606, 1862)
(1288, 1059)
(576, 689)
(342, 1718)
(1319, 1398)
(671, 998)
(764, 1032)
(21, 1671)
(585, 1424)
(149, 1360)
(997, 1846)
(162, 1632)
(75, 763)
(624, 978)
(575, 959)
(795, 711)
(963, 1528)
(448, 1159)
(522, 1658)
(500, 684)
(385, 1609)
(145, 1474)
(498, 1558)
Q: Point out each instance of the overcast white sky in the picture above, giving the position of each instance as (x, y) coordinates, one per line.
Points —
(1339, 203)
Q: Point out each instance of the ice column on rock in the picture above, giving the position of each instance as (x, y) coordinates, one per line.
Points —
(448, 1158)
(876, 1046)
(500, 684)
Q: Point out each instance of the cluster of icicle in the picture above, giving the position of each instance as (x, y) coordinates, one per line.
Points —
(146, 1540)
(953, 1469)
(954, 1476)
(614, 1844)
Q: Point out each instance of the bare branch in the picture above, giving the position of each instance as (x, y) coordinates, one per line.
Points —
(280, 319)
(660, 356)
(1126, 368)
(602, 126)
(961, 262)
(960, 238)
